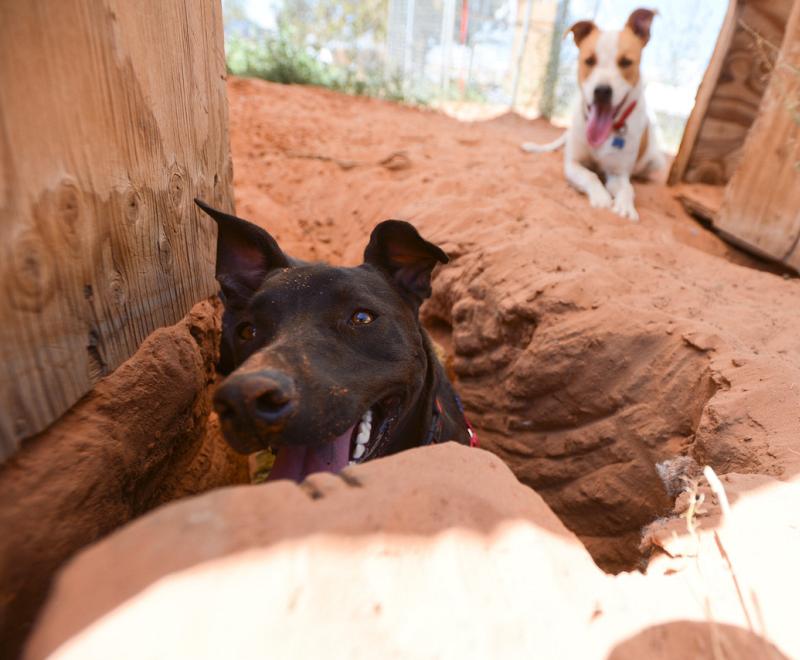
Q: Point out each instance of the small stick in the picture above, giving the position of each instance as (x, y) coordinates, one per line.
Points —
(738, 582)
(718, 489)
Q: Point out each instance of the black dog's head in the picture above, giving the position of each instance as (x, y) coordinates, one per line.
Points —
(327, 364)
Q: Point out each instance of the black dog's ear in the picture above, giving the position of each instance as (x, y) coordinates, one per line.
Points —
(245, 253)
(408, 259)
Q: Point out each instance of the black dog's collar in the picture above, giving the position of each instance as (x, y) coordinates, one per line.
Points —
(434, 435)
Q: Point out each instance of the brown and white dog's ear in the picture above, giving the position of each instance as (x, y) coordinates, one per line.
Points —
(639, 23)
(580, 31)
(407, 259)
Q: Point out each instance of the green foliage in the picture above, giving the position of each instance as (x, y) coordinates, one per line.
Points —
(372, 81)
(343, 21)
(351, 33)
(280, 58)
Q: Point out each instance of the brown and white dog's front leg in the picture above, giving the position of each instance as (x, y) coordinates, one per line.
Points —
(588, 183)
(619, 185)
(610, 128)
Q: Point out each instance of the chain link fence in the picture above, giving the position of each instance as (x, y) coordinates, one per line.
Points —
(487, 51)
(473, 58)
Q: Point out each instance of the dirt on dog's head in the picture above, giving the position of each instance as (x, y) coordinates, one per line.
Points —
(609, 68)
(325, 363)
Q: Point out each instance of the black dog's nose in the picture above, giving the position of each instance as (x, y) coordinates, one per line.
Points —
(602, 94)
(260, 398)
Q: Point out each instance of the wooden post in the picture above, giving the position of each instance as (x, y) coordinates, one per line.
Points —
(446, 44)
(547, 103)
(113, 116)
(761, 208)
(526, 28)
(728, 99)
(704, 94)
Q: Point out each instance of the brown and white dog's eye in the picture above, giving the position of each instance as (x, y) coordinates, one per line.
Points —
(362, 317)
(624, 62)
(590, 61)
(246, 331)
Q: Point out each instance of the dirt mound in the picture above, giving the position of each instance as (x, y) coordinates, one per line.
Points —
(142, 437)
(605, 362)
(588, 349)
(437, 552)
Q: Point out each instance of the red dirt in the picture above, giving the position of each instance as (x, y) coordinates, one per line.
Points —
(433, 553)
(587, 348)
(137, 440)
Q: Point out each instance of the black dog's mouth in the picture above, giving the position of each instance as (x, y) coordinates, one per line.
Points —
(368, 438)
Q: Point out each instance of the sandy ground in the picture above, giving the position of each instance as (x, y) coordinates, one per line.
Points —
(587, 348)
(604, 362)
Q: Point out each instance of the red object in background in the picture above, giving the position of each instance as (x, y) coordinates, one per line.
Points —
(464, 22)
(463, 33)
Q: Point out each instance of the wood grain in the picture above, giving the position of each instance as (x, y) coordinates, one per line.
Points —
(761, 207)
(113, 116)
(700, 200)
(704, 94)
(729, 97)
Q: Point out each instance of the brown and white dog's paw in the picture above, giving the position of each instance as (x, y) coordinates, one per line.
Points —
(599, 197)
(623, 206)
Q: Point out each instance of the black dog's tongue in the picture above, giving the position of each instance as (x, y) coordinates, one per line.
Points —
(296, 463)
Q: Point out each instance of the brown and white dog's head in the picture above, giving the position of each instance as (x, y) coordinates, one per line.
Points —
(608, 68)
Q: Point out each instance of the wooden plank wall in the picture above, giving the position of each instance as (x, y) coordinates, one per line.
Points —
(113, 116)
(761, 207)
(729, 97)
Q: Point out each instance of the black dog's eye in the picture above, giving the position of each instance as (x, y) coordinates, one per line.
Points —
(625, 62)
(246, 331)
(362, 317)
(590, 61)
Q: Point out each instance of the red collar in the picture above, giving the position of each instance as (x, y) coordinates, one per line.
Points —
(473, 436)
(435, 431)
(624, 116)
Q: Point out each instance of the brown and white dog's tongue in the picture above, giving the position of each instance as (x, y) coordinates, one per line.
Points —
(296, 463)
(599, 124)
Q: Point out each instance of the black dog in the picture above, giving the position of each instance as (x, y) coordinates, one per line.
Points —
(328, 365)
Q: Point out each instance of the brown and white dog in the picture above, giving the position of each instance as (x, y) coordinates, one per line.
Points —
(611, 131)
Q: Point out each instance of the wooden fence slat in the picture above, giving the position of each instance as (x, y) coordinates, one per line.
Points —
(728, 99)
(704, 95)
(113, 116)
(761, 207)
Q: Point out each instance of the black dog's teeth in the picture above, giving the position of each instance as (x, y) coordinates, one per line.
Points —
(372, 431)
(362, 435)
